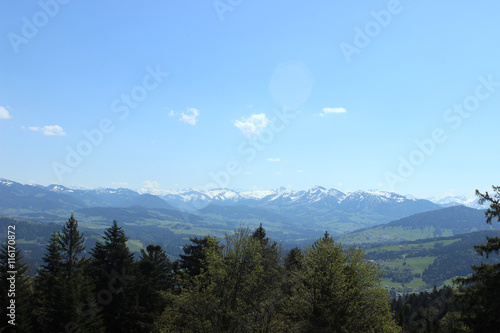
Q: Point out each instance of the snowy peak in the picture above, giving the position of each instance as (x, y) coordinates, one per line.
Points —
(6, 182)
(457, 200)
(58, 188)
(358, 198)
(224, 194)
(377, 195)
(317, 195)
(317, 188)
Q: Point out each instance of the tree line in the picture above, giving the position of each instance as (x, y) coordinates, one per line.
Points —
(473, 305)
(244, 283)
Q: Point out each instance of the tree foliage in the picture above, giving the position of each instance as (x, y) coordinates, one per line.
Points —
(242, 284)
(481, 298)
(338, 291)
(109, 260)
(245, 287)
(62, 286)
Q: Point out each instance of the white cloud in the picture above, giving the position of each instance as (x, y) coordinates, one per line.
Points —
(191, 118)
(171, 113)
(4, 114)
(151, 187)
(151, 184)
(299, 171)
(270, 159)
(247, 173)
(326, 111)
(49, 130)
(278, 173)
(252, 126)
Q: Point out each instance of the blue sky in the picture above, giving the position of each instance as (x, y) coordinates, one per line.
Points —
(390, 95)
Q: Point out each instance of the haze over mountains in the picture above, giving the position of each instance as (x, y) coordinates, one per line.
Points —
(295, 218)
(291, 214)
(192, 200)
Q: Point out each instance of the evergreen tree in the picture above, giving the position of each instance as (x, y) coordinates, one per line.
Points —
(434, 311)
(64, 291)
(230, 293)
(339, 292)
(157, 277)
(293, 260)
(48, 285)
(193, 258)
(72, 245)
(112, 269)
(481, 298)
(21, 293)
(270, 294)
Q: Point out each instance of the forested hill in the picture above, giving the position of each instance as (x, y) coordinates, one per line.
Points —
(460, 219)
(32, 237)
(438, 223)
(423, 263)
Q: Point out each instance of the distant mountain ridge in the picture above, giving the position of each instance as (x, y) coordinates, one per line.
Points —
(316, 195)
(313, 210)
(193, 199)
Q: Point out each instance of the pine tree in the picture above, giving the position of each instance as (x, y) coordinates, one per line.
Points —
(63, 290)
(21, 293)
(112, 268)
(192, 259)
(48, 285)
(481, 298)
(157, 277)
(293, 260)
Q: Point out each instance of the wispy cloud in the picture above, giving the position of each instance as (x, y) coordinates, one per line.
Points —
(326, 111)
(190, 117)
(253, 125)
(270, 159)
(49, 130)
(299, 171)
(150, 184)
(4, 114)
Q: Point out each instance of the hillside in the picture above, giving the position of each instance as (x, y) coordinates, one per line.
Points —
(421, 264)
(439, 223)
(32, 237)
(304, 214)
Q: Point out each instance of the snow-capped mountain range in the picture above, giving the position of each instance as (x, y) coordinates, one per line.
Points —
(303, 211)
(191, 199)
(317, 194)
